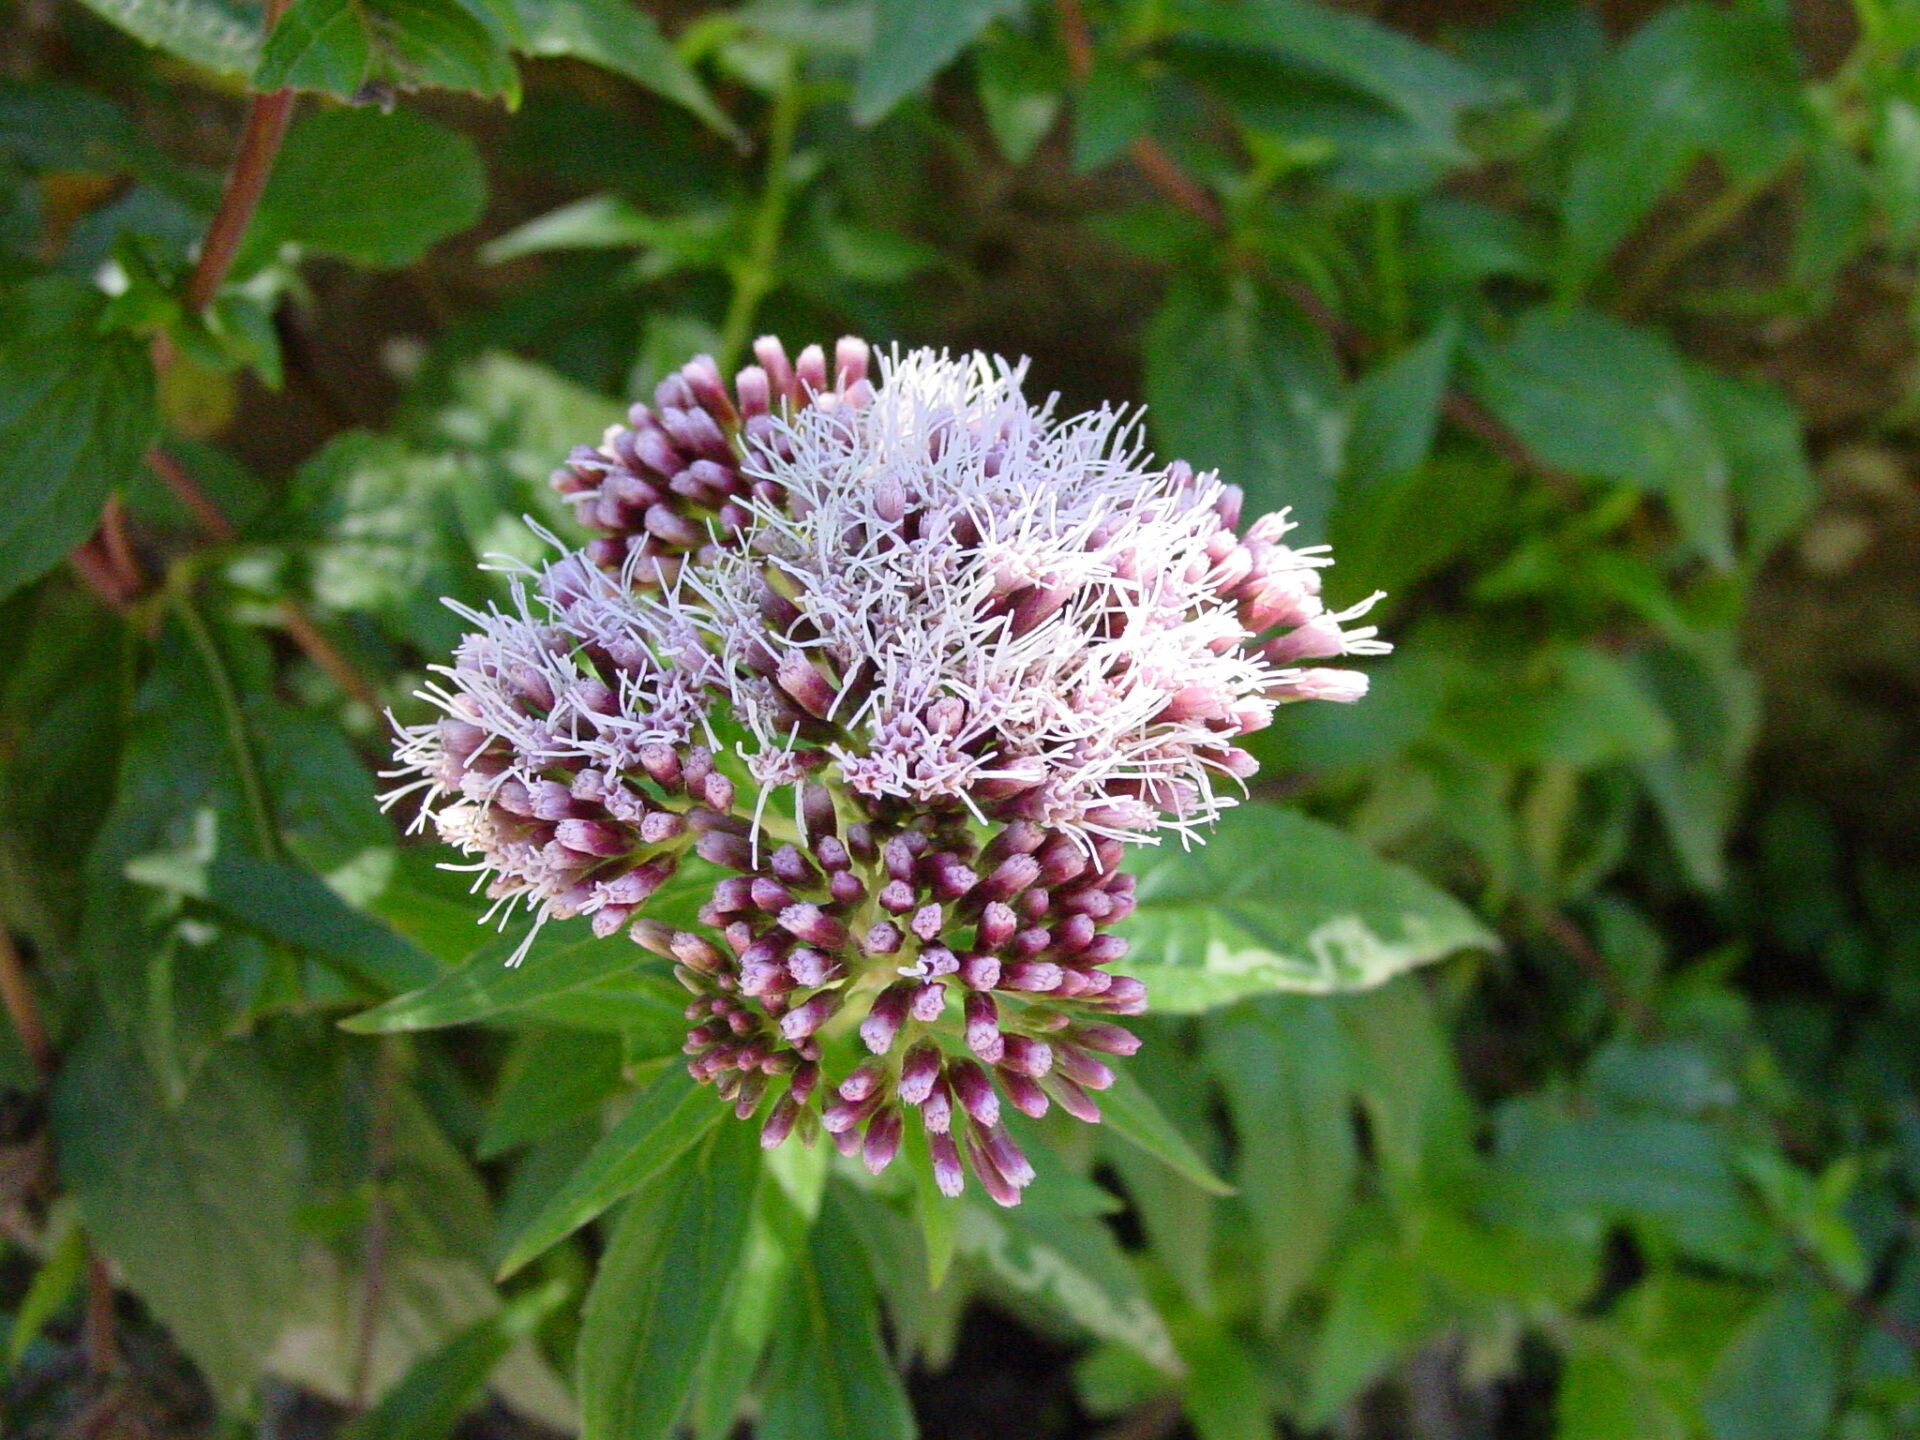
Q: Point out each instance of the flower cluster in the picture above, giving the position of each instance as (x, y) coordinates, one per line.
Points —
(907, 665)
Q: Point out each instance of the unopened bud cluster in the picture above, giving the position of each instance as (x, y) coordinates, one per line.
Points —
(906, 665)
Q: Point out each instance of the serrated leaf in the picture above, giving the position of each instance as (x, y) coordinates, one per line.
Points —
(1597, 397)
(1239, 381)
(1277, 902)
(339, 47)
(76, 414)
(1695, 79)
(221, 37)
(194, 1204)
(660, 1288)
(662, 1124)
(373, 188)
(621, 38)
(912, 41)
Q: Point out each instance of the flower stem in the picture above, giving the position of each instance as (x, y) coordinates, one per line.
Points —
(266, 126)
(245, 763)
(755, 275)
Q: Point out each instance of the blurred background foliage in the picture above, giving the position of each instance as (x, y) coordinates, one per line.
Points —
(1585, 330)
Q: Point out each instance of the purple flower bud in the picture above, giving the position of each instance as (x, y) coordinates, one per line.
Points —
(593, 837)
(866, 1078)
(1073, 934)
(769, 895)
(1060, 861)
(883, 1140)
(927, 922)
(896, 897)
(999, 1188)
(810, 967)
(1081, 1068)
(809, 922)
(883, 937)
(936, 1112)
(1105, 950)
(1010, 877)
(1126, 996)
(997, 926)
(979, 972)
(948, 1173)
(897, 855)
(918, 1072)
(1110, 1039)
(937, 960)
(653, 935)
(791, 866)
(845, 888)
(804, 1019)
(928, 1002)
(1039, 976)
(817, 811)
(884, 1020)
(660, 826)
(974, 1091)
(1073, 1099)
(805, 1077)
(811, 690)
(608, 919)
(832, 853)
(1027, 1056)
(846, 1115)
(717, 790)
(1023, 1094)
(780, 1121)
(716, 847)
(983, 1028)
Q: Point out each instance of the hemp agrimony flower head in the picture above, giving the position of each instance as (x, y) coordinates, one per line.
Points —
(910, 663)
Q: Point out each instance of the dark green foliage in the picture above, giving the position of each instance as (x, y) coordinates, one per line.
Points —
(1532, 1055)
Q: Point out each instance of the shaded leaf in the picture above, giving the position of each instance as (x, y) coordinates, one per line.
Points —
(217, 35)
(913, 41)
(377, 189)
(194, 1204)
(662, 1124)
(1241, 382)
(624, 39)
(76, 414)
(659, 1288)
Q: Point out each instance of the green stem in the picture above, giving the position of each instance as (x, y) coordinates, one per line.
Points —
(245, 763)
(755, 275)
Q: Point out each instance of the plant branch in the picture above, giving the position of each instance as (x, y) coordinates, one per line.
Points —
(23, 1009)
(755, 275)
(265, 127)
(1149, 156)
(299, 623)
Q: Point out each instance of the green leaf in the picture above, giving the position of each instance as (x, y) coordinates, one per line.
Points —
(76, 414)
(440, 1387)
(373, 188)
(339, 47)
(54, 1283)
(1071, 1264)
(1396, 410)
(1225, 1391)
(660, 1286)
(551, 1077)
(487, 984)
(1762, 437)
(830, 1377)
(216, 35)
(1608, 1391)
(1779, 1378)
(662, 1124)
(1429, 87)
(1592, 395)
(1112, 107)
(1021, 84)
(624, 39)
(194, 1204)
(912, 41)
(1130, 1112)
(1242, 383)
(1696, 79)
(1283, 1064)
(1581, 707)
(297, 908)
(1275, 901)
(1377, 1308)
